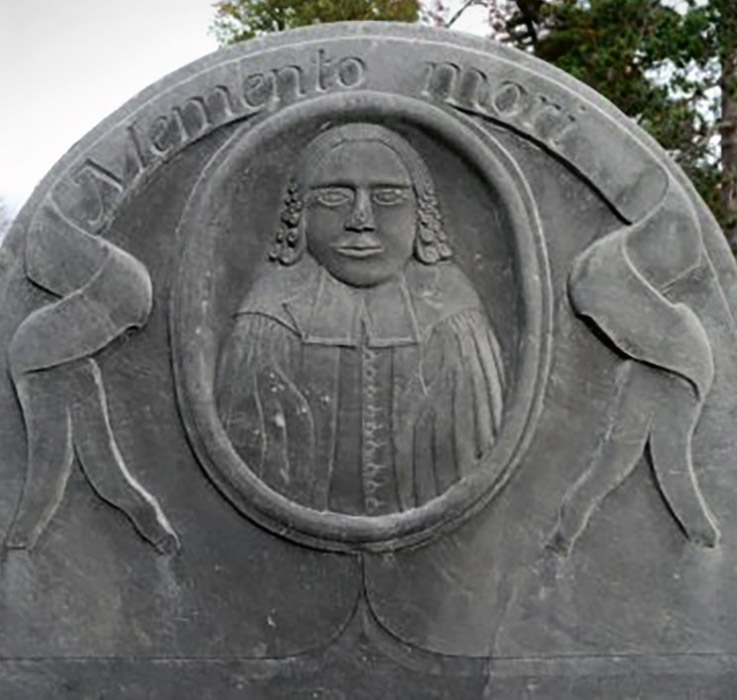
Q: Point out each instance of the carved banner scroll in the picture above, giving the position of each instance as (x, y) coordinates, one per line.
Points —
(623, 284)
(103, 292)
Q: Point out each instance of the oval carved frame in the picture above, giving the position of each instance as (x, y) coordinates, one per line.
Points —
(195, 348)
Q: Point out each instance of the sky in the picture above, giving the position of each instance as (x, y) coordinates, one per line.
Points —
(66, 64)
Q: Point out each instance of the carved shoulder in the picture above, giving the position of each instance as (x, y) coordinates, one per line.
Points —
(439, 292)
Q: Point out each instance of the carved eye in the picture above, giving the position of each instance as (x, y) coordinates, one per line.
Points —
(388, 196)
(333, 196)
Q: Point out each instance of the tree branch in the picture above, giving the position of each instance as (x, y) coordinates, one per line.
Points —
(459, 12)
(528, 17)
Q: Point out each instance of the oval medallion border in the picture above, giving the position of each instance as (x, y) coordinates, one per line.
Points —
(193, 344)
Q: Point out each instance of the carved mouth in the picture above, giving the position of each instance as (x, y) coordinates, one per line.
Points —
(358, 251)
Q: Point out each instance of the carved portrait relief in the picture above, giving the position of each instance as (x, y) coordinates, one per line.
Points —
(373, 359)
(362, 374)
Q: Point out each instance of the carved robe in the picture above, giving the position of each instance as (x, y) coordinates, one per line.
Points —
(362, 401)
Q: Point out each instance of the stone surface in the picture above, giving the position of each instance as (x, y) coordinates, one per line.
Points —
(367, 361)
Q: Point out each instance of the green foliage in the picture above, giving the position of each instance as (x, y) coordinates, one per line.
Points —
(238, 20)
(658, 64)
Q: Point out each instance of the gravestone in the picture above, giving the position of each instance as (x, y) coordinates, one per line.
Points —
(367, 361)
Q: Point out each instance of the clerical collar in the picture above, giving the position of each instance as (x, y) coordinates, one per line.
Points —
(328, 312)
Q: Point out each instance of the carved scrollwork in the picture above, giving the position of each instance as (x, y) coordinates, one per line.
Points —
(623, 284)
(103, 292)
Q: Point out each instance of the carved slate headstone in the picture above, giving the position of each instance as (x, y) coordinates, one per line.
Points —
(367, 361)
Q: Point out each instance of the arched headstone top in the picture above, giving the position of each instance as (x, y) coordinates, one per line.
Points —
(387, 342)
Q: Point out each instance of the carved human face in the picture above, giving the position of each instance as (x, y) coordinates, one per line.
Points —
(360, 213)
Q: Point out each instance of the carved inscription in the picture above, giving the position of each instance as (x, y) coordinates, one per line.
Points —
(474, 90)
(292, 82)
(100, 191)
(257, 91)
(188, 121)
(92, 192)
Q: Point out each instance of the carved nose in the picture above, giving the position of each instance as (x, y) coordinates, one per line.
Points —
(362, 216)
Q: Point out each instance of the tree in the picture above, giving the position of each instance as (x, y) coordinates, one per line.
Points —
(237, 20)
(724, 40)
(671, 66)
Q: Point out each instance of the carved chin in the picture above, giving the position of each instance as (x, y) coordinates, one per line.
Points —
(364, 272)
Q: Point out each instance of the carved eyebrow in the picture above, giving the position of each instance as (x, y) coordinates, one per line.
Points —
(352, 185)
(337, 184)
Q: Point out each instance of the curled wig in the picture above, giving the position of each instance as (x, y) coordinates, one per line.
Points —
(431, 243)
